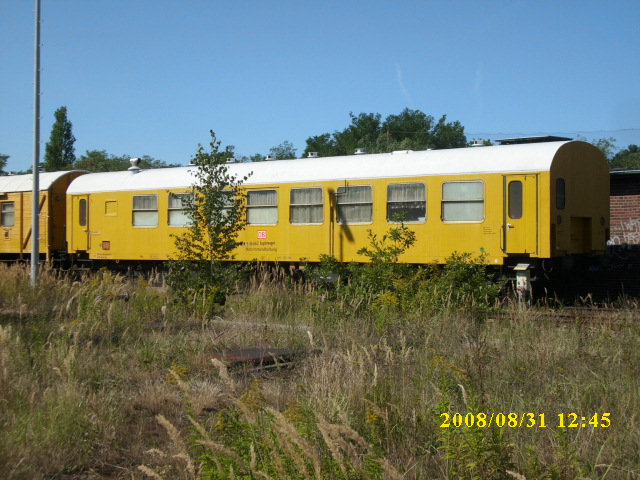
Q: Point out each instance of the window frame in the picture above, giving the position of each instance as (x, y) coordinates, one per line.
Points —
(338, 204)
(229, 202)
(12, 212)
(83, 209)
(293, 206)
(171, 209)
(424, 202)
(256, 207)
(515, 210)
(445, 202)
(135, 210)
(561, 198)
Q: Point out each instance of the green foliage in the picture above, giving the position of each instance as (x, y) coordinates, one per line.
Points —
(253, 440)
(606, 145)
(362, 133)
(378, 282)
(83, 375)
(216, 210)
(474, 452)
(627, 159)
(323, 144)
(462, 284)
(486, 143)
(283, 151)
(101, 161)
(622, 159)
(59, 151)
(409, 130)
(3, 163)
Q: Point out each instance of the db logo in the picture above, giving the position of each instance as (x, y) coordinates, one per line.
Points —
(262, 234)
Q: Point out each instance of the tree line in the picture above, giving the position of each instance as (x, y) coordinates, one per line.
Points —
(60, 154)
(619, 159)
(408, 130)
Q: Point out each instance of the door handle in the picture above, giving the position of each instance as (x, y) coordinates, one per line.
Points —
(510, 226)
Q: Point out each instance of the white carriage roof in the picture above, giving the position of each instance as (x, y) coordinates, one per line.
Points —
(459, 161)
(24, 183)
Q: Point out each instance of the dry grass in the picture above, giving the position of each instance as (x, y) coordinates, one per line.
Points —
(93, 386)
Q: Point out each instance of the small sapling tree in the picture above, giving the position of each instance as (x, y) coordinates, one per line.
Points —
(215, 210)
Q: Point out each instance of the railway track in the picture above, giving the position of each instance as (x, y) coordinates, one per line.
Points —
(580, 315)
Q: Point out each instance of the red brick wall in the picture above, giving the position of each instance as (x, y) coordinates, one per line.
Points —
(625, 209)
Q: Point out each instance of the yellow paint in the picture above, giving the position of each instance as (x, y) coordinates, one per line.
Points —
(16, 241)
(583, 226)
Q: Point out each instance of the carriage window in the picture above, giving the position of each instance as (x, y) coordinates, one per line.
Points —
(178, 203)
(145, 210)
(462, 202)
(355, 204)
(407, 201)
(8, 215)
(229, 199)
(82, 204)
(515, 200)
(262, 207)
(560, 194)
(306, 206)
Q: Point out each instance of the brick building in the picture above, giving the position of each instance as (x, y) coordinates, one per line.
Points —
(622, 275)
(625, 207)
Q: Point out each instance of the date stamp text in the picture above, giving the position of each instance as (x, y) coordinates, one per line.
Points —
(526, 420)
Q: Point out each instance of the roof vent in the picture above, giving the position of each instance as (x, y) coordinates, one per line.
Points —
(360, 151)
(312, 155)
(477, 143)
(135, 165)
(400, 152)
(268, 158)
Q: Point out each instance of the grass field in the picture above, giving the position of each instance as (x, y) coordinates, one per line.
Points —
(107, 377)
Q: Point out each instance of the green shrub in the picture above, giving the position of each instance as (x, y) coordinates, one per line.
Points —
(384, 285)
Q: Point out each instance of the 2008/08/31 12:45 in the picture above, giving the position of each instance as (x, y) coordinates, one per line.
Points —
(565, 420)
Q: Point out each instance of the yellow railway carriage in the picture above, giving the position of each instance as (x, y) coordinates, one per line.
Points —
(16, 213)
(509, 202)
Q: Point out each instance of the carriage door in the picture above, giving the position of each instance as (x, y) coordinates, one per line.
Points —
(520, 214)
(81, 222)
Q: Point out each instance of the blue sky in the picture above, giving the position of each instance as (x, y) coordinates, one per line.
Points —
(153, 77)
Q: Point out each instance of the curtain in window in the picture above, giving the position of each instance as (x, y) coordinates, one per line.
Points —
(306, 205)
(407, 200)
(355, 204)
(145, 202)
(262, 207)
(306, 196)
(406, 192)
(357, 194)
(177, 213)
(176, 200)
(8, 215)
(258, 198)
(145, 210)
